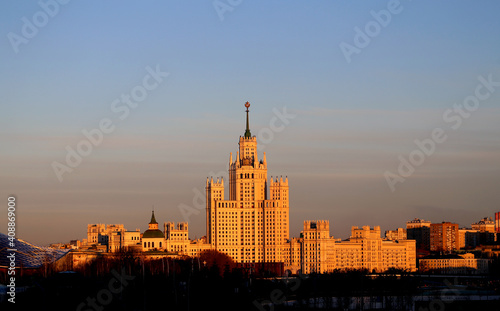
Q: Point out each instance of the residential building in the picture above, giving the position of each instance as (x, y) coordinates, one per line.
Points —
(458, 264)
(444, 237)
(468, 238)
(480, 233)
(316, 251)
(114, 237)
(252, 227)
(396, 235)
(420, 231)
(177, 239)
(484, 225)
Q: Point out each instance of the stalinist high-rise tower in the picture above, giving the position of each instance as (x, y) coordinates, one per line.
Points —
(252, 226)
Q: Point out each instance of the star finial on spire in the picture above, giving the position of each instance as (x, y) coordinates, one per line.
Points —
(247, 131)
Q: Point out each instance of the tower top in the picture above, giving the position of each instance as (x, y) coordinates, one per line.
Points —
(153, 219)
(247, 131)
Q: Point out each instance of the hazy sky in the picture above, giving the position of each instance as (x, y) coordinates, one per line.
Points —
(340, 91)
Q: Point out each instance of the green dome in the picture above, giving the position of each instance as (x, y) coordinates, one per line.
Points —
(149, 234)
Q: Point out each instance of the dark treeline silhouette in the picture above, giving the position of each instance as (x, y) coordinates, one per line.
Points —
(128, 281)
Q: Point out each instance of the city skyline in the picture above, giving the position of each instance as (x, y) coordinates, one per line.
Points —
(334, 124)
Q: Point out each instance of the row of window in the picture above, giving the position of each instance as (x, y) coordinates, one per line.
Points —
(151, 245)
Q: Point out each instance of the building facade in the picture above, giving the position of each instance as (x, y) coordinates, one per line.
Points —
(420, 231)
(480, 233)
(497, 222)
(468, 238)
(317, 252)
(465, 264)
(484, 225)
(177, 238)
(444, 237)
(396, 235)
(111, 238)
(100, 233)
(251, 226)
(153, 238)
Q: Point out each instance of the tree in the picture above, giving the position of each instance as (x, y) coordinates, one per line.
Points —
(216, 259)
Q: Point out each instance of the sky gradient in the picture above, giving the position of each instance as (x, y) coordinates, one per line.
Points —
(351, 120)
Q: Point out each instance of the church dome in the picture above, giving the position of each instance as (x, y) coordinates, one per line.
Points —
(151, 234)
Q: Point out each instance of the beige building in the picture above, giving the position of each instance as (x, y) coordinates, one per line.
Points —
(484, 225)
(177, 239)
(467, 264)
(316, 251)
(379, 255)
(153, 238)
(114, 237)
(99, 233)
(131, 240)
(396, 235)
(480, 233)
(173, 239)
(196, 247)
(250, 226)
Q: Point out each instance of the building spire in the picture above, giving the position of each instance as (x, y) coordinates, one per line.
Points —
(153, 219)
(247, 131)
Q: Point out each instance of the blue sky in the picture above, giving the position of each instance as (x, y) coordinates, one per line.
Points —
(352, 120)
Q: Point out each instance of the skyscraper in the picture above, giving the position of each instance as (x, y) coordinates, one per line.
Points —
(251, 226)
(497, 222)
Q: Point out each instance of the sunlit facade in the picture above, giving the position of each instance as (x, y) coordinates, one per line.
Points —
(111, 238)
(176, 238)
(444, 237)
(317, 252)
(465, 264)
(250, 226)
